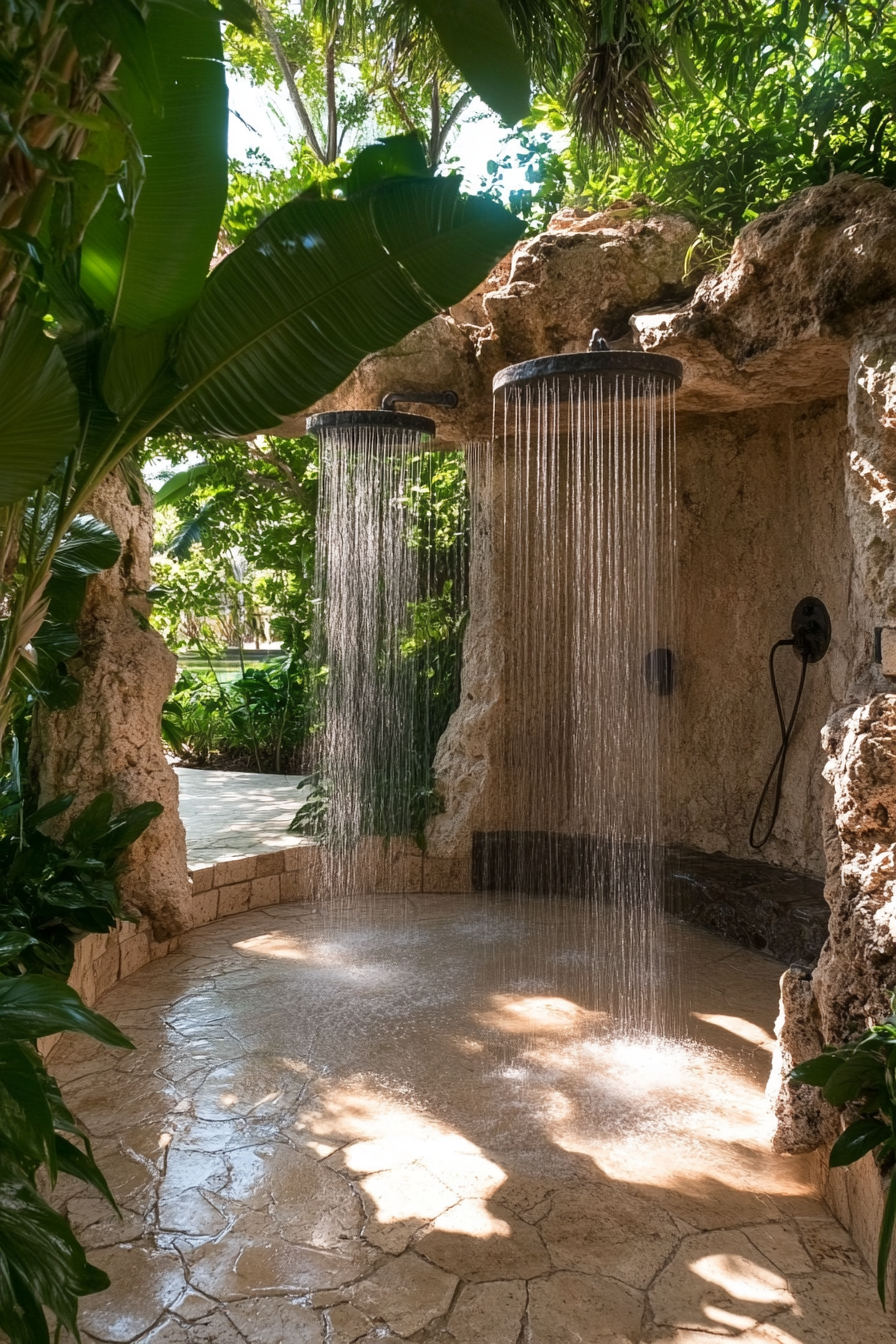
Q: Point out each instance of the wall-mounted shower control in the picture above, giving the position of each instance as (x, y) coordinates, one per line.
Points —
(810, 629)
(885, 649)
(810, 626)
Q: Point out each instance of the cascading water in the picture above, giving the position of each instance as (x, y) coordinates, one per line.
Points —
(585, 456)
(390, 585)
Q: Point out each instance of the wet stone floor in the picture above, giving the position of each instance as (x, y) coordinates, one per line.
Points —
(407, 1121)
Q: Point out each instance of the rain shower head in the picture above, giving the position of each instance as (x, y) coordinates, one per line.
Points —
(597, 361)
(384, 421)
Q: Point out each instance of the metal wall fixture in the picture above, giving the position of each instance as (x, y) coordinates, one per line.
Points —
(387, 420)
(810, 629)
(659, 671)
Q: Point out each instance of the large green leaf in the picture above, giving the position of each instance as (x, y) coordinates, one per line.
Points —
(121, 23)
(38, 407)
(32, 1006)
(183, 483)
(854, 1077)
(88, 547)
(322, 283)
(25, 1120)
(150, 267)
(478, 39)
(390, 156)
(13, 943)
(858, 1139)
(41, 1253)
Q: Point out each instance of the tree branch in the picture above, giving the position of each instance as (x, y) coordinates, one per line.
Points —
(459, 107)
(286, 71)
(332, 126)
(435, 121)
(403, 113)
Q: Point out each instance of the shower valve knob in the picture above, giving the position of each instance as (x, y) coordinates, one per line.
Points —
(810, 626)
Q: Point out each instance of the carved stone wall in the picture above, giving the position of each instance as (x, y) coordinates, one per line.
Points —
(110, 740)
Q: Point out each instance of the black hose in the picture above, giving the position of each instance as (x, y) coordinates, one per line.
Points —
(781, 759)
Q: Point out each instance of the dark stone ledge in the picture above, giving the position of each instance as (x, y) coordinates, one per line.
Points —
(756, 904)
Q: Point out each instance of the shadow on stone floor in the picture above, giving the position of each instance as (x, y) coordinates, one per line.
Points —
(408, 1120)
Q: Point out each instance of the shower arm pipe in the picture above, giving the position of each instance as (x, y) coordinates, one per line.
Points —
(393, 399)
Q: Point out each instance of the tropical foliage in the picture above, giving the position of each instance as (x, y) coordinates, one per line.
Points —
(261, 721)
(42, 1264)
(762, 102)
(861, 1077)
(52, 889)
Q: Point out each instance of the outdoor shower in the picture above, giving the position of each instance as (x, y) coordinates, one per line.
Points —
(585, 451)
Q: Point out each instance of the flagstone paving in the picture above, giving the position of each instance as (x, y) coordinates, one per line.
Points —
(230, 814)
(404, 1120)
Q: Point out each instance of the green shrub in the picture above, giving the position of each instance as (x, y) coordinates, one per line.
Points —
(861, 1076)
(51, 889)
(42, 1264)
(259, 722)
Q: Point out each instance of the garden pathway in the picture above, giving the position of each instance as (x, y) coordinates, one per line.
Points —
(386, 1122)
(230, 814)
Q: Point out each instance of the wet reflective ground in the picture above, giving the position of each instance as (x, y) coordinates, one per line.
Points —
(410, 1120)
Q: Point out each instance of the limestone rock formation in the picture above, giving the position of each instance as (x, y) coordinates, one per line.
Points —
(858, 963)
(110, 740)
(588, 269)
(775, 326)
(801, 1115)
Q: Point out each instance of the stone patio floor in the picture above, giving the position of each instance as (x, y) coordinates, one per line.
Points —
(402, 1120)
(230, 814)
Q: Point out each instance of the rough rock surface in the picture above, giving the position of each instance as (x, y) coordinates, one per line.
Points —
(858, 964)
(802, 1117)
(802, 281)
(587, 269)
(110, 740)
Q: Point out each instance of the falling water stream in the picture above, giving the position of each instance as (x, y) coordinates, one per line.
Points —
(579, 485)
(586, 473)
(382, 580)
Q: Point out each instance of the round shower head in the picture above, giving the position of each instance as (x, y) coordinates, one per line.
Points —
(634, 364)
(385, 420)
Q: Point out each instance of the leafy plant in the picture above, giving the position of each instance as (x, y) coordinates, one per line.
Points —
(42, 1264)
(758, 102)
(861, 1076)
(50, 889)
(260, 721)
(312, 814)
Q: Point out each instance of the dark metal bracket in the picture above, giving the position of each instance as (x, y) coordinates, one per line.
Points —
(393, 399)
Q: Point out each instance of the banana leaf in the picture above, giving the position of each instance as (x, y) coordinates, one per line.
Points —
(38, 408)
(319, 285)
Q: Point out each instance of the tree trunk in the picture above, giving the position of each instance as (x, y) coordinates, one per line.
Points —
(111, 740)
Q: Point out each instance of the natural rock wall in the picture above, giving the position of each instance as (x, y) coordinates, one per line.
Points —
(110, 740)
(858, 964)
